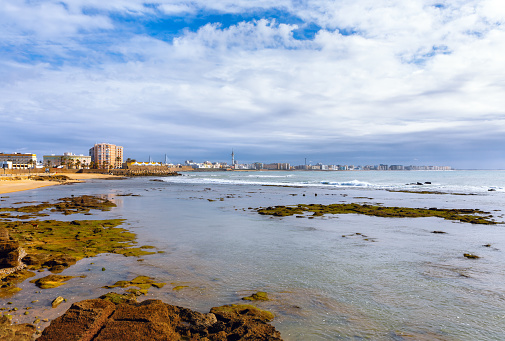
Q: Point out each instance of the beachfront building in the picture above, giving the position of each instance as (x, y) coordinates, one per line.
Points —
(67, 160)
(18, 160)
(106, 155)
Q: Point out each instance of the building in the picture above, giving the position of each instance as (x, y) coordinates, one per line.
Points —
(68, 160)
(277, 166)
(19, 161)
(106, 155)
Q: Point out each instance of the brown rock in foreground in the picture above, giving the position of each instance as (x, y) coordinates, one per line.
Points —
(100, 320)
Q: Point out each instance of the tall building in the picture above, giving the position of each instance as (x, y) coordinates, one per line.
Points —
(106, 155)
(18, 160)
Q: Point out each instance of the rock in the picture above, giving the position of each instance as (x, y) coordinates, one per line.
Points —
(57, 301)
(51, 281)
(259, 296)
(101, 320)
(36, 259)
(59, 263)
(10, 254)
(470, 255)
(19, 332)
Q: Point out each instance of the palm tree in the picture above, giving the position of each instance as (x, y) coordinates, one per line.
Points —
(118, 161)
(78, 163)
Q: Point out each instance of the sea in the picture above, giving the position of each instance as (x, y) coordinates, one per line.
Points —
(335, 277)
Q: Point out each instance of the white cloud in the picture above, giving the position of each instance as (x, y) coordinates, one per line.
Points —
(411, 69)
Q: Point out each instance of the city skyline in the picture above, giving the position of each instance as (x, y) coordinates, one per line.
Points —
(417, 82)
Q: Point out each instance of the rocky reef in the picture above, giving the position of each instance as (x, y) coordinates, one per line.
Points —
(56, 245)
(127, 320)
(473, 216)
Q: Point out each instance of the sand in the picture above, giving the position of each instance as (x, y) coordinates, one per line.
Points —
(9, 186)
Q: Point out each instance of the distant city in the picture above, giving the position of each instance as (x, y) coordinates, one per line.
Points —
(109, 156)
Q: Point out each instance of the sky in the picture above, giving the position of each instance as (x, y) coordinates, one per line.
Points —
(360, 82)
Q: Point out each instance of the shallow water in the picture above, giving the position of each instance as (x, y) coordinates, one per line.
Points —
(399, 282)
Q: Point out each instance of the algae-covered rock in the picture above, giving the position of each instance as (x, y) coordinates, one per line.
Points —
(51, 281)
(470, 256)
(18, 332)
(57, 301)
(473, 216)
(179, 287)
(230, 312)
(259, 296)
(119, 298)
(142, 282)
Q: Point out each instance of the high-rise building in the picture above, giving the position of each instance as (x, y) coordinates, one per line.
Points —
(106, 155)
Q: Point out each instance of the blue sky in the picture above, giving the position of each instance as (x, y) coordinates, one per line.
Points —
(348, 82)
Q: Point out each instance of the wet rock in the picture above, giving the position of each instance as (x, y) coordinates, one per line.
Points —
(59, 263)
(101, 320)
(19, 332)
(10, 252)
(57, 301)
(259, 296)
(36, 259)
(470, 256)
(51, 281)
(439, 232)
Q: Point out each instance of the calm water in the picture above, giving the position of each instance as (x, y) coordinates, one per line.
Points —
(399, 282)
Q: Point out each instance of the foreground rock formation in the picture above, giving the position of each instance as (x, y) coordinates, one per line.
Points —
(10, 254)
(100, 319)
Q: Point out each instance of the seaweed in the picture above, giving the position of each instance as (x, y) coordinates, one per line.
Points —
(472, 216)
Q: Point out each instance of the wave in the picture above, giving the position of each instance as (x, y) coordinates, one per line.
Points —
(302, 181)
(353, 183)
(269, 176)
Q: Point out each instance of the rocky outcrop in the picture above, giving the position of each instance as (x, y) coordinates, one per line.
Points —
(101, 320)
(10, 254)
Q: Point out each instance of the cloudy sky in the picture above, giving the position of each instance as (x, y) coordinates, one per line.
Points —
(333, 81)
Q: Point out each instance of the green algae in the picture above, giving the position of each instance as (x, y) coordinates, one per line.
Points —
(179, 287)
(428, 192)
(119, 298)
(8, 283)
(259, 296)
(76, 239)
(70, 205)
(51, 281)
(244, 309)
(473, 216)
(142, 282)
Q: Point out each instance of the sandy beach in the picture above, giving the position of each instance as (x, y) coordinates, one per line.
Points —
(8, 185)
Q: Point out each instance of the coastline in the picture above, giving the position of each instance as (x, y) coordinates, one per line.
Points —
(23, 183)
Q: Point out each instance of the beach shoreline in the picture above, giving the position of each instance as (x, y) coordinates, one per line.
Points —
(17, 183)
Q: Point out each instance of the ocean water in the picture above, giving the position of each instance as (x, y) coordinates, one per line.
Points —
(341, 277)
